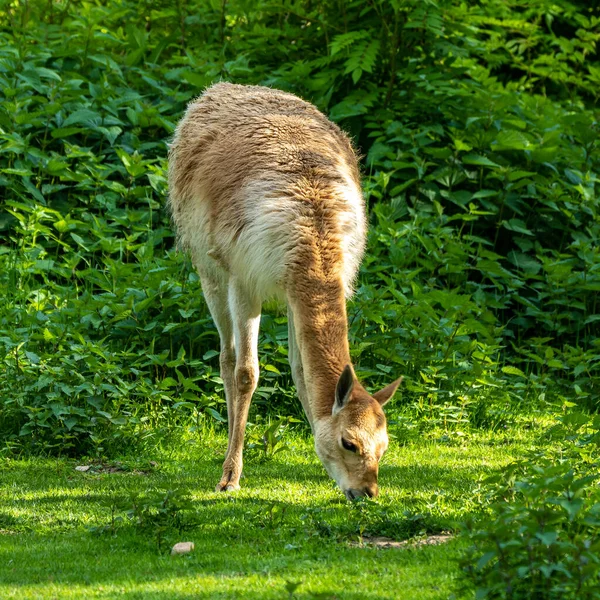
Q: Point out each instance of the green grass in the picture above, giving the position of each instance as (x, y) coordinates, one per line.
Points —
(287, 524)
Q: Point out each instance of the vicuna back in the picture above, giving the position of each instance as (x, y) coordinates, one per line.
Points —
(265, 187)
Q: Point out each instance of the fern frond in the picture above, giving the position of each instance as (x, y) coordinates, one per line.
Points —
(345, 40)
(362, 58)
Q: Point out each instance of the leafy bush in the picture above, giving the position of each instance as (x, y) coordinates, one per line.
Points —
(542, 539)
(479, 128)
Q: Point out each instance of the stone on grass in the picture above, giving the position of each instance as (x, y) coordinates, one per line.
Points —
(182, 548)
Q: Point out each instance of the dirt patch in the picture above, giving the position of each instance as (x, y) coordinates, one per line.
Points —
(100, 468)
(376, 541)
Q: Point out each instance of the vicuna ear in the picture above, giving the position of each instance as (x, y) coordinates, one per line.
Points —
(343, 389)
(382, 396)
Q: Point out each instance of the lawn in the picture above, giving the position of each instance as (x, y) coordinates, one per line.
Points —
(71, 534)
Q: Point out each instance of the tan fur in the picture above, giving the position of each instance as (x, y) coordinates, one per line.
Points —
(265, 194)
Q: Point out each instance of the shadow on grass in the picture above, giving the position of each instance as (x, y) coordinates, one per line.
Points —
(28, 491)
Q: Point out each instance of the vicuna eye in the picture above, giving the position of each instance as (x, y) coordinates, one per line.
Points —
(349, 445)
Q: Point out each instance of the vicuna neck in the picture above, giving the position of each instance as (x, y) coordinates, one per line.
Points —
(319, 309)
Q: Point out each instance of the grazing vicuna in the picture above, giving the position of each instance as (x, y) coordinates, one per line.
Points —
(265, 195)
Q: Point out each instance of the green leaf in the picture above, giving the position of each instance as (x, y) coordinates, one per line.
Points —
(478, 159)
(110, 133)
(63, 132)
(19, 172)
(513, 371)
(33, 190)
(511, 140)
(547, 538)
(214, 414)
(484, 560)
(33, 357)
(79, 241)
(83, 116)
(346, 109)
(517, 225)
(461, 146)
(48, 74)
(70, 422)
(525, 262)
(516, 175)
(198, 80)
(345, 40)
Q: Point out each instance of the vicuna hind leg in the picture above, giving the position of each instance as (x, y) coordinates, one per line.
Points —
(245, 314)
(216, 291)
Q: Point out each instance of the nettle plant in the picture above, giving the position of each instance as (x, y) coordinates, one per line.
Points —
(479, 130)
(541, 538)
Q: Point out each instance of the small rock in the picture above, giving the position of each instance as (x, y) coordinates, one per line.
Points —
(182, 548)
(83, 468)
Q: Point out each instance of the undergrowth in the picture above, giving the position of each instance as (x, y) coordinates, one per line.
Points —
(479, 131)
(541, 535)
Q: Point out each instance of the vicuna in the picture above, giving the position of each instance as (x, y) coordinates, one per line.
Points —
(265, 195)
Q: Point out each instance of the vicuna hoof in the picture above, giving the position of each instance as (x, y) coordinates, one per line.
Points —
(227, 487)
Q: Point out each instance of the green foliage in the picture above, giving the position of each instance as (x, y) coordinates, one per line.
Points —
(479, 130)
(271, 441)
(161, 515)
(542, 539)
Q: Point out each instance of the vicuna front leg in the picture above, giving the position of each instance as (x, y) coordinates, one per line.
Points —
(295, 359)
(245, 316)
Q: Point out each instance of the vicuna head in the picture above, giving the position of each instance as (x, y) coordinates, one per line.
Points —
(351, 442)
